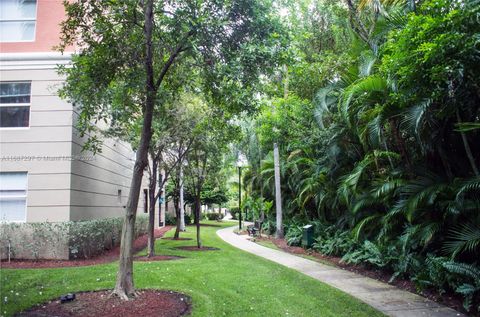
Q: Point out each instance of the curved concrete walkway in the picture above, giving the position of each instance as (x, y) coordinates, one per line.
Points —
(384, 297)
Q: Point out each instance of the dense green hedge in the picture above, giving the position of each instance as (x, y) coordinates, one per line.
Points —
(171, 220)
(214, 216)
(81, 239)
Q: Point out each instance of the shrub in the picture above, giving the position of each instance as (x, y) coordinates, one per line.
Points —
(368, 253)
(188, 219)
(88, 238)
(70, 239)
(294, 235)
(170, 220)
(469, 283)
(214, 216)
(234, 212)
(269, 226)
(333, 241)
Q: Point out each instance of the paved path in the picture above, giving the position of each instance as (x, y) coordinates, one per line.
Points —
(384, 297)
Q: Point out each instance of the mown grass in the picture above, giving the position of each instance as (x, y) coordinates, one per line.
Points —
(227, 282)
(268, 244)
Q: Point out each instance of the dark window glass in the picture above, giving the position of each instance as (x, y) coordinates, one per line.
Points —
(14, 93)
(14, 117)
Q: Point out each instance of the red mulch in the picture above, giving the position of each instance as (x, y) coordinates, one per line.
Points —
(177, 239)
(448, 299)
(157, 258)
(110, 256)
(194, 248)
(149, 303)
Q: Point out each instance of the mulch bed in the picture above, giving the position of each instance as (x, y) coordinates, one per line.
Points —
(448, 299)
(149, 303)
(110, 256)
(157, 258)
(194, 248)
(178, 239)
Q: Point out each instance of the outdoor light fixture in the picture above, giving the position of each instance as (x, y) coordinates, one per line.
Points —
(241, 162)
(67, 298)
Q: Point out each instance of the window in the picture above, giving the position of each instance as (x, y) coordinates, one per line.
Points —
(13, 196)
(14, 105)
(17, 20)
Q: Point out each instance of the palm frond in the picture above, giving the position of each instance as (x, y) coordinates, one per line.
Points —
(463, 238)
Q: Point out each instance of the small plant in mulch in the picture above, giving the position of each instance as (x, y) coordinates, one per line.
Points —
(148, 303)
(195, 248)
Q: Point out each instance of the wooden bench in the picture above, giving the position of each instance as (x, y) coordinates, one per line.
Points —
(255, 229)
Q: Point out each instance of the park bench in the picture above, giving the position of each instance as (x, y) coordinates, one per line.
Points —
(255, 229)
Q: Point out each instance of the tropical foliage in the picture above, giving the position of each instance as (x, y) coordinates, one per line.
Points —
(377, 116)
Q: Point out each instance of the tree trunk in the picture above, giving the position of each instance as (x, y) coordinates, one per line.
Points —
(285, 81)
(177, 212)
(197, 221)
(151, 215)
(177, 224)
(278, 194)
(194, 208)
(159, 195)
(124, 287)
(182, 208)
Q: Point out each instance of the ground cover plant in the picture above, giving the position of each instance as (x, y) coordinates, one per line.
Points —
(226, 282)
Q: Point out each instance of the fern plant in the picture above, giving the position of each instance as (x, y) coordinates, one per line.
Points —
(470, 288)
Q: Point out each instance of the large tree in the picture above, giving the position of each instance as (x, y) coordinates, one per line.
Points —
(127, 48)
(203, 159)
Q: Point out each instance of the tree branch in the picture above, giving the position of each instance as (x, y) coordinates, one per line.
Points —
(179, 49)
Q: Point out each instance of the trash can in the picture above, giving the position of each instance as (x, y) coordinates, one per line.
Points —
(307, 240)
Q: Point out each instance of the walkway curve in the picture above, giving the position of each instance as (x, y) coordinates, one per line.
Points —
(384, 297)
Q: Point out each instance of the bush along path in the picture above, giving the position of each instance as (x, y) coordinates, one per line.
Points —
(382, 296)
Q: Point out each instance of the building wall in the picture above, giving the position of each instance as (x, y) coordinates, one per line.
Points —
(50, 13)
(64, 183)
(83, 186)
(100, 185)
(39, 148)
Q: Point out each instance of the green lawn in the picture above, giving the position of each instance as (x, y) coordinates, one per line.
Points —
(268, 244)
(228, 282)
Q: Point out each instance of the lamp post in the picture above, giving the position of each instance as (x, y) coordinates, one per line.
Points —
(239, 197)
(241, 162)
